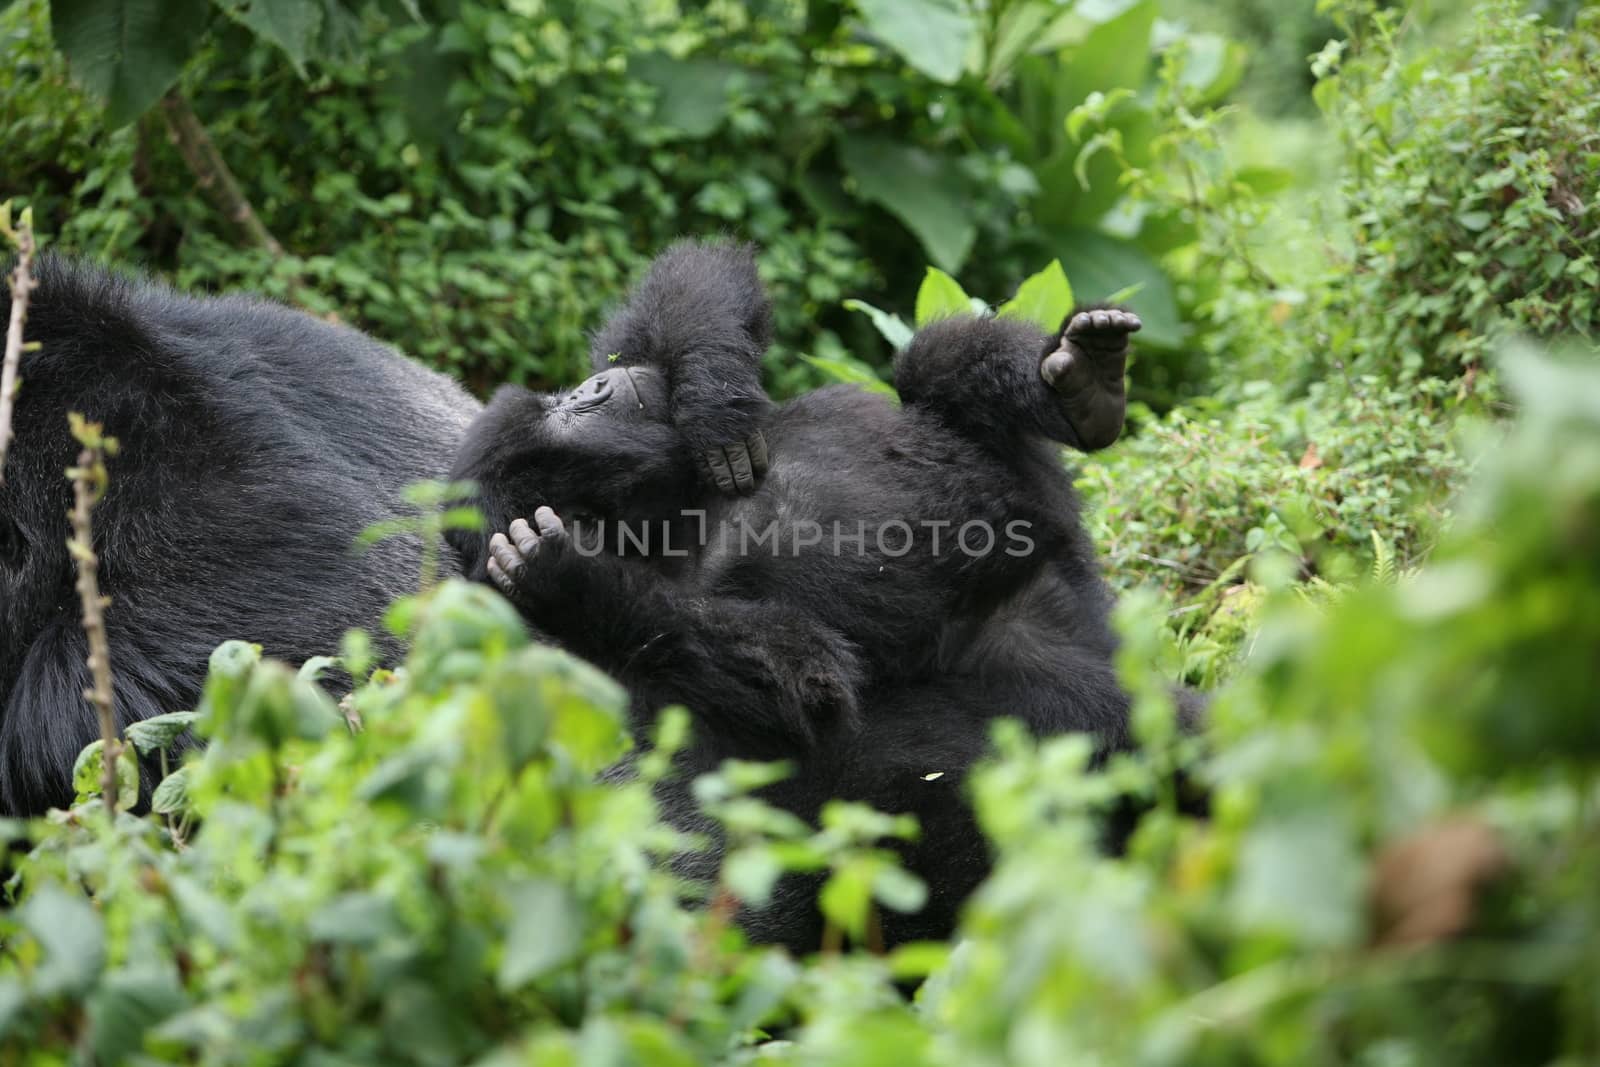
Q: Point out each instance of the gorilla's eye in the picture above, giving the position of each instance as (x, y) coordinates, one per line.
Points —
(12, 543)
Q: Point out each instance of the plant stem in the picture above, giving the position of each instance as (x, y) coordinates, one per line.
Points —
(22, 284)
(211, 171)
(87, 485)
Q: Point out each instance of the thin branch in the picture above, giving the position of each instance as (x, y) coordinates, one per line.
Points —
(89, 481)
(22, 284)
(211, 171)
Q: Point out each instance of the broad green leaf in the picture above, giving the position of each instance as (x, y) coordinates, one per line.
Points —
(171, 796)
(851, 374)
(1015, 34)
(846, 897)
(691, 94)
(1212, 66)
(897, 888)
(1301, 874)
(292, 25)
(72, 935)
(158, 732)
(546, 931)
(1115, 54)
(890, 325)
(128, 52)
(1098, 266)
(126, 1004)
(1044, 299)
(939, 297)
(934, 36)
(920, 189)
(86, 772)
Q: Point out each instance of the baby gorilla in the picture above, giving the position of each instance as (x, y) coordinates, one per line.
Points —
(899, 578)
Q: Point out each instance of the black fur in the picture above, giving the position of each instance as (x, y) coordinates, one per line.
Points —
(870, 670)
(702, 316)
(257, 443)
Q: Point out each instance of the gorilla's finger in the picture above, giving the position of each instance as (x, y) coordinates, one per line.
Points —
(1100, 319)
(503, 554)
(523, 537)
(502, 581)
(721, 473)
(1056, 366)
(744, 477)
(1127, 320)
(758, 453)
(549, 523)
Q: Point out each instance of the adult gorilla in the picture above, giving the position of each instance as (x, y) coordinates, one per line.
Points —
(257, 443)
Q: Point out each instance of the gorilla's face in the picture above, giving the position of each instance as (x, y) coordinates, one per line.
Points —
(606, 448)
(621, 396)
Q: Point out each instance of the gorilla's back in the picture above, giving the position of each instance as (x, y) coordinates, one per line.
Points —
(257, 443)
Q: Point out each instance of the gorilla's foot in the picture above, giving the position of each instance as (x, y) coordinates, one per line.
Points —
(1086, 369)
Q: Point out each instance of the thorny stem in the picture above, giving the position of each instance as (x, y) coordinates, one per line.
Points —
(22, 284)
(88, 486)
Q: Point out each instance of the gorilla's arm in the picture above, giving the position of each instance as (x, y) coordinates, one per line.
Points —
(702, 316)
(766, 676)
(994, 378)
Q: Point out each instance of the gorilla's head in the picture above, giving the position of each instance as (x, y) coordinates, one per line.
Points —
(603, 450)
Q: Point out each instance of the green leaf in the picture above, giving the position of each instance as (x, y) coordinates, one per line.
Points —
(157, 733)
(128, 1003)
(1098, 266)
(87, 769)
(171, 796)
(1301, 873)
(897, 888)
(128, 52)
(920, 189)
(691, 94)
(890, 325)
(72, 935)
(1212, 66)
(1044, 299)
(940, 297)
(934, 36)
(546, 931)
(851, 373)
(292, 25)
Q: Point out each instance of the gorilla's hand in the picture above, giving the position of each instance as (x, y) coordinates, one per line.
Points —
(736, 469)
(1087, 369)
(528, 563)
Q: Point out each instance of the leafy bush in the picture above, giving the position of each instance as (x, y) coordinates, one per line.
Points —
(1400, 862)
(1474, 186)
(479, 185)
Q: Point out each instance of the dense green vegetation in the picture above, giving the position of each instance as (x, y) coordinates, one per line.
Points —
(1360, 498)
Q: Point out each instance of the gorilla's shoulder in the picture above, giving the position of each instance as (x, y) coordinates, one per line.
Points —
(95, 324)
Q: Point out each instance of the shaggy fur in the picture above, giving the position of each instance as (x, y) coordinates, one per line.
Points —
(257, 443)
(870, 668)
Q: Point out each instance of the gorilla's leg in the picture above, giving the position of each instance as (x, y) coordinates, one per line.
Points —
(996, 380)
